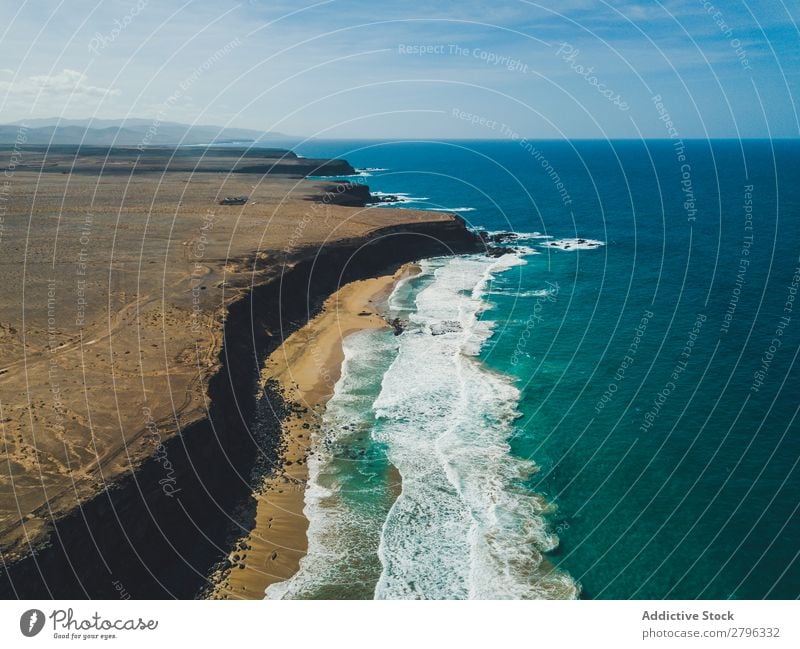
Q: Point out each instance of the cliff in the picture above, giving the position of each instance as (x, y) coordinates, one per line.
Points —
(157, 529)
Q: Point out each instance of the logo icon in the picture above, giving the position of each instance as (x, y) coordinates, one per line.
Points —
(31, 622)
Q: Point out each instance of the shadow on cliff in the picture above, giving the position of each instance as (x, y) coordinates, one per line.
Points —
(140, 539)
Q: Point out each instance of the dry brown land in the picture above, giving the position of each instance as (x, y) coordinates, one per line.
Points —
(112, 300)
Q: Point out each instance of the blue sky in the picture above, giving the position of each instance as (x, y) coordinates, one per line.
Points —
(357, 68)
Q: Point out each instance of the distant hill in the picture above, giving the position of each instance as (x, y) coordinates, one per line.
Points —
(127, 132)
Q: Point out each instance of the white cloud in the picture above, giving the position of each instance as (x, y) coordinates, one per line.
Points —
(65, 83)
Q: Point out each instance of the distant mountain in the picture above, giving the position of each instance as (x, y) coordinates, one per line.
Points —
(128, 132)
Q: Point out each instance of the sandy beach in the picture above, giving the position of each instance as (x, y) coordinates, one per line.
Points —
(306, 367)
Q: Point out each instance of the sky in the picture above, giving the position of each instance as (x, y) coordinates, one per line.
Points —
(368, 69)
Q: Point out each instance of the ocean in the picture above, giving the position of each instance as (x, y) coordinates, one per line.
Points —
(607, 410)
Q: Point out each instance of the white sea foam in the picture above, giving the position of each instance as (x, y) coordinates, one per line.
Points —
(368, 171)
(450, 209)
(513, 292)
(343, 537)
(574, 244)
(397, 301)
(514, 236)
(402, 197)
(462, 526)
(526, 250)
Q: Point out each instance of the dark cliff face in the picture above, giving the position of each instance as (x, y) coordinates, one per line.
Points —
(345, 193)
(350, 194)
(158, 533)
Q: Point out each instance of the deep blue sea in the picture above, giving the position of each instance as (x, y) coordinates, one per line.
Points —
(603, 421)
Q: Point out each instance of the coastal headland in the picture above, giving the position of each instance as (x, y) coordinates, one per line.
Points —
(136, 316)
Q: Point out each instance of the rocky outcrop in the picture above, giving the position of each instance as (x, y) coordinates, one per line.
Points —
(351, 194)
(345, 193)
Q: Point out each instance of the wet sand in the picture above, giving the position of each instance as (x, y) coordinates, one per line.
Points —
(306, 366)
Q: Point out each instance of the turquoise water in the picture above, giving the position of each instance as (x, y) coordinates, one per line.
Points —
(618, 421)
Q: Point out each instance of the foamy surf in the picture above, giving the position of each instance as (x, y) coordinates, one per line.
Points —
(462, 527)
(368, 171)
(450, 209)
(574, 244)
(349, 491)
(424, 405)
(398, 198)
